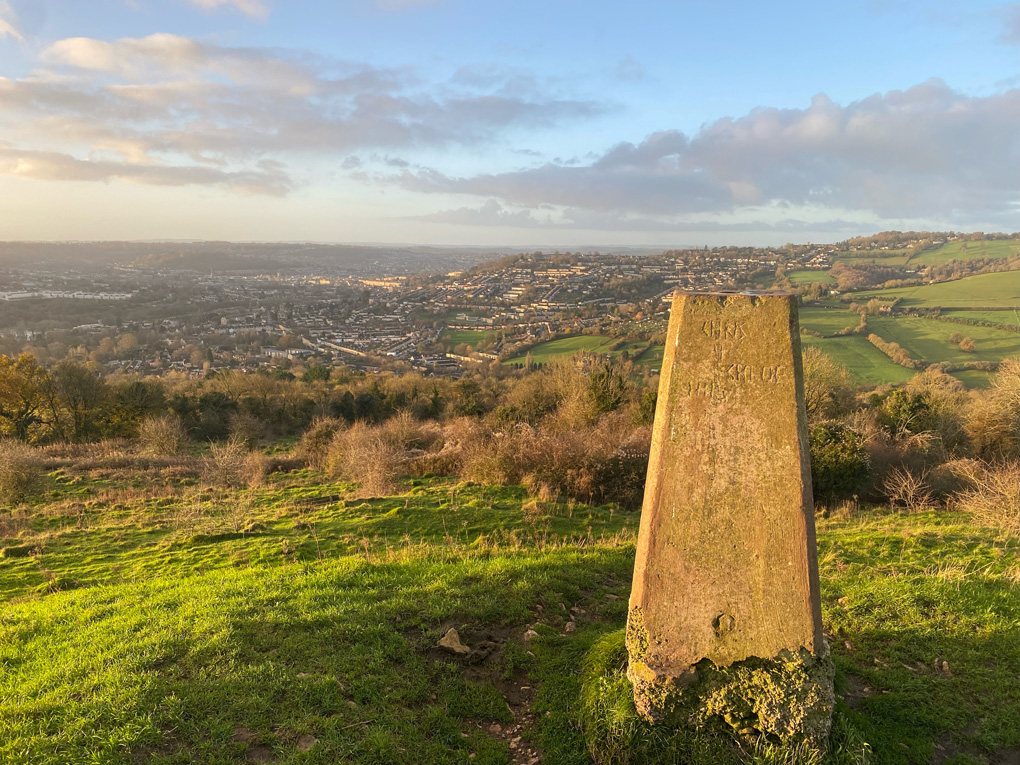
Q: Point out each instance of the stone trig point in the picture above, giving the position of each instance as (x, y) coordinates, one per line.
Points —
(725, 618)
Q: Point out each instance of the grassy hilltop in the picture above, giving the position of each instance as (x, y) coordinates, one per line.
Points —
(150, 615)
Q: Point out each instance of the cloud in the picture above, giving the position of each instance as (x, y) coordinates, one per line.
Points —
(1011, 17)
(399, 5)
(926, 151)
(55, 166)
(629, 69)
(9, 22)
(173, 101)
(254, 8)
(494, 214)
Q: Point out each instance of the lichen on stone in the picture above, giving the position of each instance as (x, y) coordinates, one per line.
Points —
(788, 698)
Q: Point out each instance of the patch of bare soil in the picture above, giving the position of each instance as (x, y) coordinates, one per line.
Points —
(482, 663)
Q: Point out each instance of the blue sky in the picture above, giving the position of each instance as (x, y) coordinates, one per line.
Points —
(556, 123)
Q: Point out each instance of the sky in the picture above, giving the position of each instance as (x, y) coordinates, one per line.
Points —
(469, 122)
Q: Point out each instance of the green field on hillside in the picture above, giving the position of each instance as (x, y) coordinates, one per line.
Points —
(999, 290)
(543, 353)
(809, 277)
(999, 248)
(470, 337)
(1008, 316)
(828, 321)
(866, 363)
(896, 257)
(929, 339)
(150, 619)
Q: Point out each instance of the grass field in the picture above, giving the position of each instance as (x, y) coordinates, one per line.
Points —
(929, 339)
(470, 337)
(1001, 290)
(1008, 316)
(827, 320)
(866, 363)
(966, 250)
(809, 277)
(543, 353)
(883, 257)
(147, 619)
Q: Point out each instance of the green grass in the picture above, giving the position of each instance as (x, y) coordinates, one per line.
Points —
(973, 378)
(883, 257)
(866, 363)
(929, 339)
(470, 337)
(548, 351)
(809, 277)
(998, 290)
(827, 320)
(966, 250)
(167, 622)
(1009, 317)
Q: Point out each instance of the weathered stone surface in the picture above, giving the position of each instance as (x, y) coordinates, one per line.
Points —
(726, 567)
(451, 642)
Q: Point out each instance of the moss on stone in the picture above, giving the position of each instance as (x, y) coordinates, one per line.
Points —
(788, 698)
(779, 710)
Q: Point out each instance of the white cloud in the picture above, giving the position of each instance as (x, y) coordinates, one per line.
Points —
(9, 22)
(254, 8)
(178, 108)
(924, 152)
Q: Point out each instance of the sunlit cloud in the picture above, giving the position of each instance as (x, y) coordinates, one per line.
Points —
(925, 151)
(253, 8)
(180, 107)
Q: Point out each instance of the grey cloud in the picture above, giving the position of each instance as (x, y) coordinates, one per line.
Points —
(926, 151)
(157, 99)
(629, 69)
(1011, 33)
(248, 7)
(492, 213)
(56, 166)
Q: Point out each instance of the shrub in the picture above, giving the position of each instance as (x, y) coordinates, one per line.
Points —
(994, 496)
(315, 441)
(364, 454)
(20, 470)
(908, 490)
(828, 386)
(247, 428)
(992, 421)
(234, 465)
(163, 436)
(839, 461)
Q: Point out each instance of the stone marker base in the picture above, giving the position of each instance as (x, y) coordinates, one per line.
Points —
(788, 698)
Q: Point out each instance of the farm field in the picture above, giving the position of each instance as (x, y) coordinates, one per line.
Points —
(168, 621)
(866, 363)
(828, 321)
(545, 352)
(809, 277)
(1007, 316)
(470, 337)
(928, 339)
(998, 248)
(999, 290)
(883, 257)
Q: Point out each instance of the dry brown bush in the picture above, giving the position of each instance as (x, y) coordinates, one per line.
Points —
(364, 454)
(993, 418)
(21, 470)
(993, 498)
(908, 490)
(163, 436)
(605, 462)
(314, 446)
(234, 465)
(247, 428)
